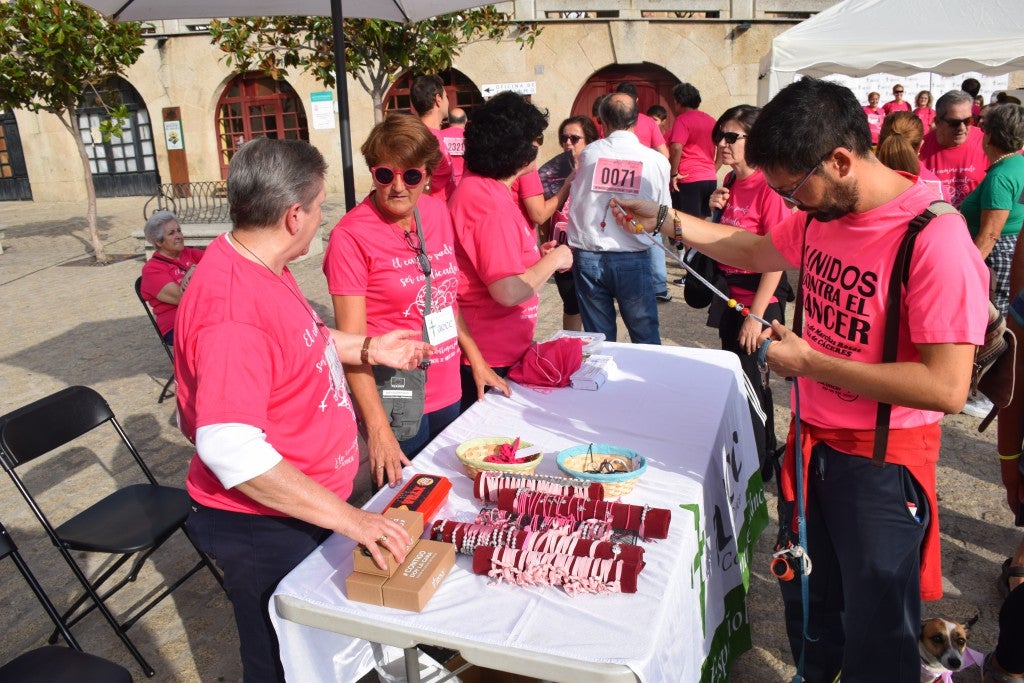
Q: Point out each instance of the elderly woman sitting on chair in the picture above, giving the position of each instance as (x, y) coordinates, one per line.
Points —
(166, 274)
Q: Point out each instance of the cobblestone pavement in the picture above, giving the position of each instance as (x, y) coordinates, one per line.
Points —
(67, 321)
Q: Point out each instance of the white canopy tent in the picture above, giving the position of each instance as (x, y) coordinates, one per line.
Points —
(903, 37)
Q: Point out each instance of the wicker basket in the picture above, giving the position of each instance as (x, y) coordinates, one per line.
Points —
(628, 466)
(472, 453)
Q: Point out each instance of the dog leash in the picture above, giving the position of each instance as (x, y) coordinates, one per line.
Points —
(798, 552)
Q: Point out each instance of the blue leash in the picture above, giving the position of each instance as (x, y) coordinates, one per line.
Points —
(798, 553)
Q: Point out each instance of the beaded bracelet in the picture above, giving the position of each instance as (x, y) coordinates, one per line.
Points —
(662, 213)
(677, 230)
(1015, 456)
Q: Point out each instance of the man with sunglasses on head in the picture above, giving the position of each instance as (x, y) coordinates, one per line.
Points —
(430, 101)
(870, 520)
(952, 150)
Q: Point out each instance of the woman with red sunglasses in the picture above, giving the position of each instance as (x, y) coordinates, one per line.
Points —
(383, 258)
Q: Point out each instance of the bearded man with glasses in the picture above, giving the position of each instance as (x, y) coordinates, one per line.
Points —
(952, 150)
(871, 525)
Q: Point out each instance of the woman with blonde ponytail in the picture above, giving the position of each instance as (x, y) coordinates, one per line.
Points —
(898, 146)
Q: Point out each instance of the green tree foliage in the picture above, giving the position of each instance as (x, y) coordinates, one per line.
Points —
(376, 52)
(54, 54)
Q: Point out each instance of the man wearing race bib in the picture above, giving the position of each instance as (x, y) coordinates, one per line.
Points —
(609, 265)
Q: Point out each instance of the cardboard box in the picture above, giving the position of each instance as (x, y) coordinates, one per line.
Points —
(425, 493)
(419, 576)
(363, 562)
(365, 588)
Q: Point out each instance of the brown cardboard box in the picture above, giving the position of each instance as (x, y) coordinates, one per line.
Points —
(362, 561)
(365, 588)
(424, 569)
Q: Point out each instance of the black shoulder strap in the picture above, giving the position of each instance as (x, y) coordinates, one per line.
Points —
(893, 312)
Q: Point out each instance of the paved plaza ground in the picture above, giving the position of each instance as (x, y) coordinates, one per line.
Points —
(67, 321)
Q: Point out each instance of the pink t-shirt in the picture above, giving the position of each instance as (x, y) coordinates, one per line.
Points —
(442, 182)
(927, 115)
(875, 117)
(493, 241)
(648, 132)
(453, 141)
(250, 349)
(848, 264)
(893, 105)
(959, 168)
(933, 182)
(527, 185)
(368, 256)
(157, 273)
(692, 129)
(756, 208)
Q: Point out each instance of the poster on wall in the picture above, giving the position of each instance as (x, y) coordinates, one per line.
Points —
(322, 107)
(173, 137)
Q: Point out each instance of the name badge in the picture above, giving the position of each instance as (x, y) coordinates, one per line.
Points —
(441, 326)
(617, 175)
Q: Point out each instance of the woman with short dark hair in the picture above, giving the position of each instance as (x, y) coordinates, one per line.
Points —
(501, 268)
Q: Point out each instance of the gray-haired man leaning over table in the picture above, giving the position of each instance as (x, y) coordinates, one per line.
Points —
(262, 395)
(872, 529)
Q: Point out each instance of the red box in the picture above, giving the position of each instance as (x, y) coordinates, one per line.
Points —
(424, 493)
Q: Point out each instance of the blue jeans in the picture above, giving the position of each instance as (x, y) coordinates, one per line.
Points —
(659, 272)
(431, 425)
(865, 589)
(604, 278)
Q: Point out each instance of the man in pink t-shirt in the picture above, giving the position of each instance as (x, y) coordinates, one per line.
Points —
(430, 101)
(871, 531)
(262, 395)
(692, 153)
(453, 140)
(952, 150)
(897, 103)
(647, 130)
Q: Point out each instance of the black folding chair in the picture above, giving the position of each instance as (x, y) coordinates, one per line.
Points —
(131, 522)
(54, 664)
(166, 393)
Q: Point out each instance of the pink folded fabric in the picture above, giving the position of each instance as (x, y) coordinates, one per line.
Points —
(549, 364)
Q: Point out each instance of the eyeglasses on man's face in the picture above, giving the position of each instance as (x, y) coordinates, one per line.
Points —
(897, 92)
(790, 196)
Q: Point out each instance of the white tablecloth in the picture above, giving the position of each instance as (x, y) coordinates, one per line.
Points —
(681, 408)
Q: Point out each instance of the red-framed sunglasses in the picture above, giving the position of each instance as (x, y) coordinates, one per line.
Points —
(385, 175)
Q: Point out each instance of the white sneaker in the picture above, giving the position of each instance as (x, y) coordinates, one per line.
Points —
(977, 406)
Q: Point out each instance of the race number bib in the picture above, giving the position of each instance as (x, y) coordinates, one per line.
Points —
(456, 146)
(441, 326)
(617, 175)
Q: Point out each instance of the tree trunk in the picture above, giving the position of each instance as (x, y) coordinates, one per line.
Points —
(90, 187)
(377, 96)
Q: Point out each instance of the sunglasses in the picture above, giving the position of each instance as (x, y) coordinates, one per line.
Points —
(956, 123)
(897, 92)
(574, 139)
(731, 138)
(385, 175)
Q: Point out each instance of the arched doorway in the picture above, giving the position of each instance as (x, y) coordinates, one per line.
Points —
(462, 92)
(122, 166)
(257, 106)
(653, 84)
(14, 185)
